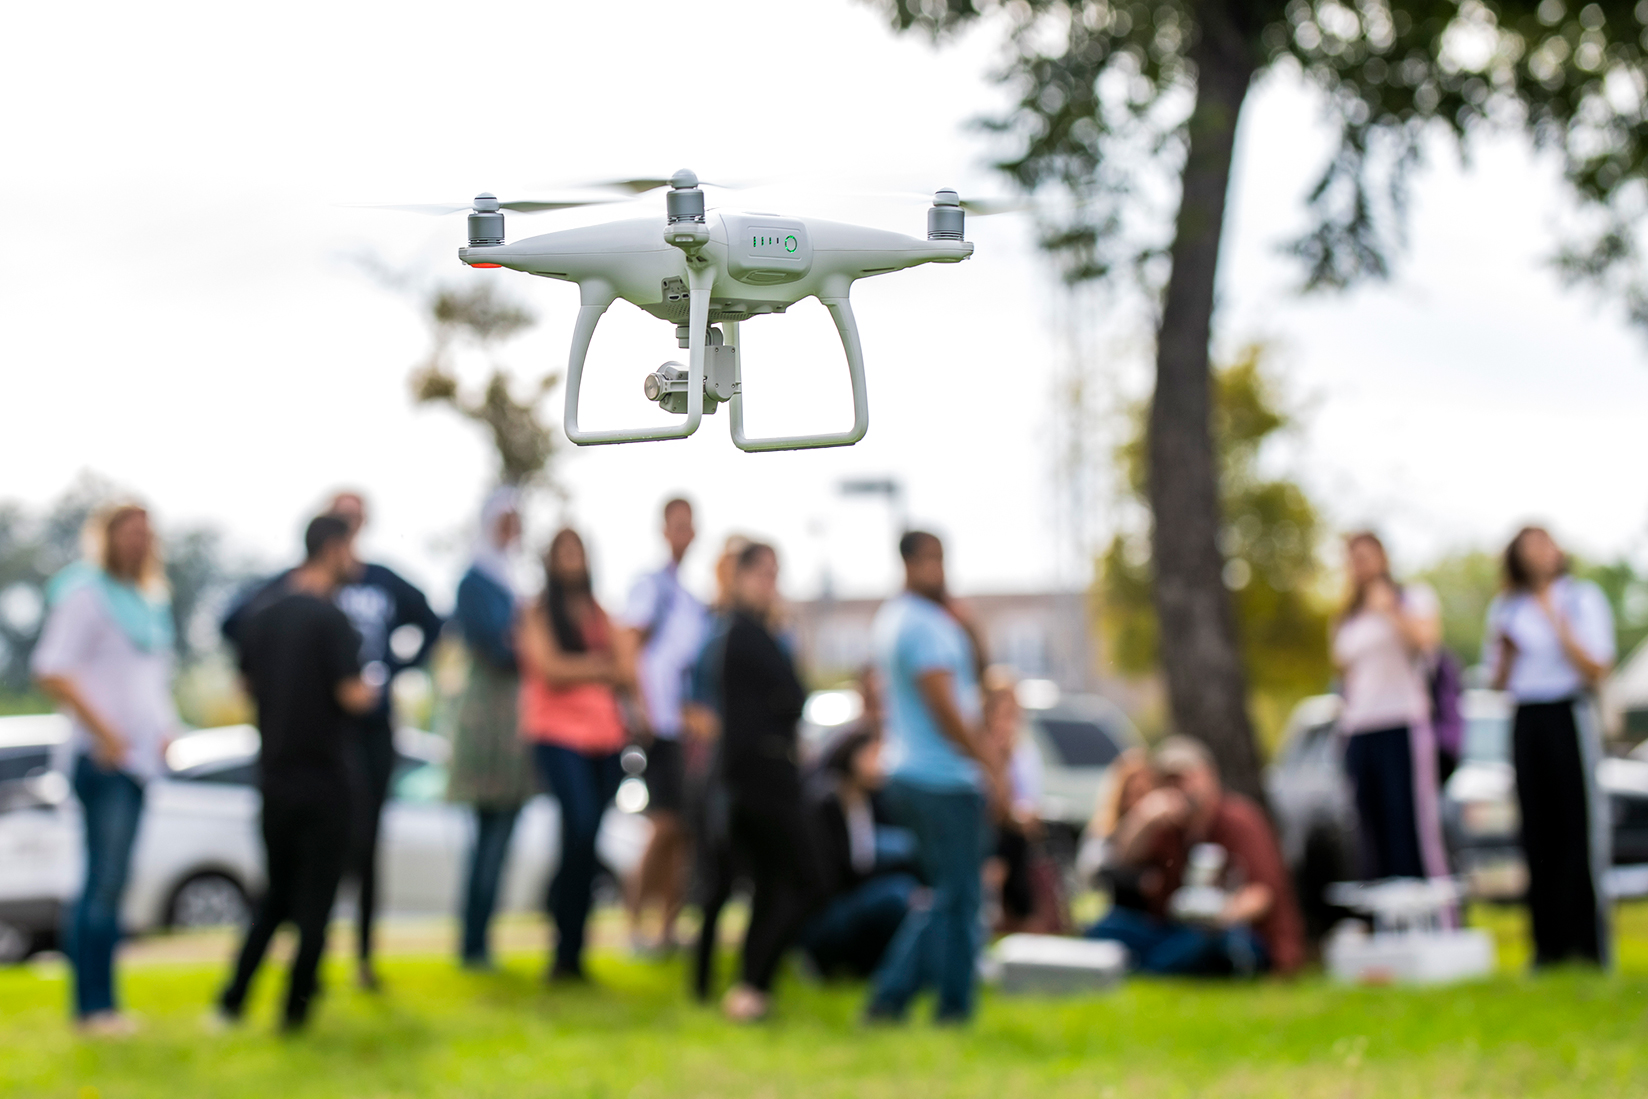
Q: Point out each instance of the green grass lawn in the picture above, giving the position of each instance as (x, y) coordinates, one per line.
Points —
(441, 1032)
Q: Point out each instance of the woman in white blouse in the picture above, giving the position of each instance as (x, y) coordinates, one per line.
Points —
(105, 657)
(1550, 642)
(1383, 643)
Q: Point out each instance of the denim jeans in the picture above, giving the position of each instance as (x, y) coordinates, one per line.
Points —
(1174, 949)
(111, 805)
(938, 942)
(584, 785)
(493, 830)
(852, 932)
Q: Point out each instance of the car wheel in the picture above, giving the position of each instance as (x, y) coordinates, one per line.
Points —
(209, 900)
(15, 944)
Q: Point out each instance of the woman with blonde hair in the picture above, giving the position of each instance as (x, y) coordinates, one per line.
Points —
(106, 658)
(1382, 643)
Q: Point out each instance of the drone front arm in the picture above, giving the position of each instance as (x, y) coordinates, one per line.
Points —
(597, 296)
(841, 311)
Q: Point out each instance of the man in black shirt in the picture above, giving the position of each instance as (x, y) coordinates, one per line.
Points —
(301, 659)
(379, 602)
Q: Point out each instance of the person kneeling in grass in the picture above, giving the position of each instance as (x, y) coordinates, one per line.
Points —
(1220, 902)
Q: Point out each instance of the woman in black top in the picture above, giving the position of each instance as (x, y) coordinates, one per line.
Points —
(761, 699)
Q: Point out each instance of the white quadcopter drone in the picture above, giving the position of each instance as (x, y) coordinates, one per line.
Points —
(697, 270)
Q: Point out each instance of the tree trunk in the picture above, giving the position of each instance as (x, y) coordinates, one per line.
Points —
(1207, 688)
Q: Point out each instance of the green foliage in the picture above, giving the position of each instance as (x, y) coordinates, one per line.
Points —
(524, 443)
(1270, 535)
(1102, 90)
(1627, 592)
(1465, 584)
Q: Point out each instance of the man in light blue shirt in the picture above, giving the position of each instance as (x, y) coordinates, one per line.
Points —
(930, 658)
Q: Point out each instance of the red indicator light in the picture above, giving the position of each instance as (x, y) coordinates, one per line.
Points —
(486, 265)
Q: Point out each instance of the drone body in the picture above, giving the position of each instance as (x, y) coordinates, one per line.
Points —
(696, 269)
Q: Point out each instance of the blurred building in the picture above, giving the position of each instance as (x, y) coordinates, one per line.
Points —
(1044, 635)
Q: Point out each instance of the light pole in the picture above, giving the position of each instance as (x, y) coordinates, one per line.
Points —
(889, 488)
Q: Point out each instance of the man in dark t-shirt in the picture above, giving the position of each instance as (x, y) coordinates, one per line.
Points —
(1255, 926)
(301, 660)
(379, 603)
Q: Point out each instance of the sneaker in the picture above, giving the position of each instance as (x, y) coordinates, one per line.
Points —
(107, 1024)
(743, 1004)
(568, 975)
(219, 1020)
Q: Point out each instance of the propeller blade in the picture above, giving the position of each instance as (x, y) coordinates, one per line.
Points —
(433, 209)
(524, 206)
(988, 207)
(642, 186)
(978, 207)
(529, 206)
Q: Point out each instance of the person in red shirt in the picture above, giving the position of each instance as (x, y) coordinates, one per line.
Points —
(1238, 914)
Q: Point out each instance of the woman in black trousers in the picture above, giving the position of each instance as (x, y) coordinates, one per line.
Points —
(1550, 642)
(761, 704)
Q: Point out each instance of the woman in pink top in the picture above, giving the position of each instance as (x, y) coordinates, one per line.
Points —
(1382, 643)
(569, 714)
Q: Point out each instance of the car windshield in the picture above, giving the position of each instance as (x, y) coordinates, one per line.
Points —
(1080, 743)
(1488, 739)
(23, 763)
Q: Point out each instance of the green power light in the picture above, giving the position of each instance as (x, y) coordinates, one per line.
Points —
(789, 244)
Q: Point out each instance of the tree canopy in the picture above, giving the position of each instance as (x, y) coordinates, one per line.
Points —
(1103, 91)
(524, 443)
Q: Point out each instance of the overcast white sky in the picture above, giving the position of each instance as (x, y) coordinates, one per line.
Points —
(179, 309)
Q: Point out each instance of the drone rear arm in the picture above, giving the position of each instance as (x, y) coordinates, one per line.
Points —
(841, 311)
(596, 297)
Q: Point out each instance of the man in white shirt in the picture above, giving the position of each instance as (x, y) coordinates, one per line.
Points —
(664, 628)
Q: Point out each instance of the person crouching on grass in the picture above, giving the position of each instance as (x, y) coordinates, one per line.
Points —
(301, 660)
(1191, 818)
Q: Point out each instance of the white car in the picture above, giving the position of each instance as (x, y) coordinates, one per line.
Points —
(199, 855)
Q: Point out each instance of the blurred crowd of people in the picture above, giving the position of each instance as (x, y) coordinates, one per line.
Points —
(886, 852)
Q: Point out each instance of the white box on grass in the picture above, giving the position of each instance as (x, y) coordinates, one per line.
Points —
(1053, 964)
(1421, 957)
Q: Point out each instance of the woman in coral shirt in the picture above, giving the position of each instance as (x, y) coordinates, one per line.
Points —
(569, 714)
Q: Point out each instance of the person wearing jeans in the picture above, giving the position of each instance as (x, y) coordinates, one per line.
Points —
(930, 658)
(1169, 949)
(111, 807)
(569, 713)
(1256, 927)
(491, 770)
(939, 940)
(864, 862)
(584, 784)
(105, 657)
